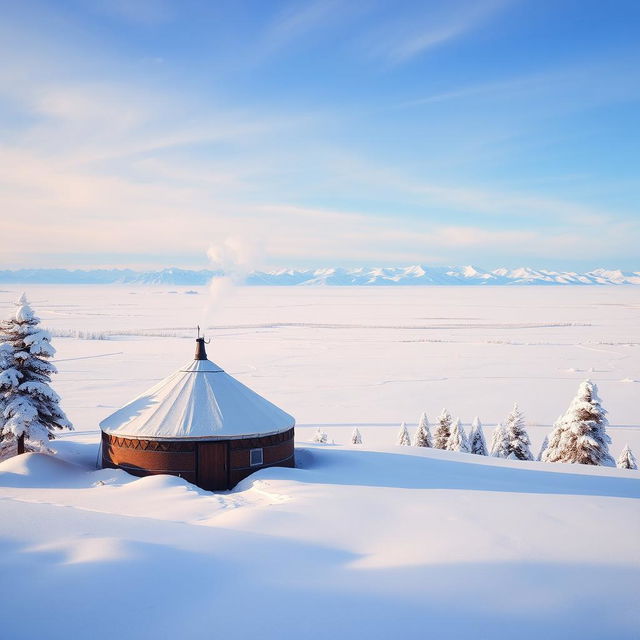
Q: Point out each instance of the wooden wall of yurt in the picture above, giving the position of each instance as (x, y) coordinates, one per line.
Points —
(150, 457)
(211, 464)
(277, 450)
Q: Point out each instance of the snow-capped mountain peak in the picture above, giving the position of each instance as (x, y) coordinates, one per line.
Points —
(417, 274)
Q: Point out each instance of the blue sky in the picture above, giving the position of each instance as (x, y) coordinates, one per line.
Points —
(494, 132)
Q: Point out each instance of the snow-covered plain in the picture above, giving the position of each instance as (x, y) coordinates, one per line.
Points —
(376, 541)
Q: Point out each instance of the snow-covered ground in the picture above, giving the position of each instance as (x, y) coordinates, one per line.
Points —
(376, 541)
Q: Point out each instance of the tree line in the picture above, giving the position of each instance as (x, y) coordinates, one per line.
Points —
(578, 436)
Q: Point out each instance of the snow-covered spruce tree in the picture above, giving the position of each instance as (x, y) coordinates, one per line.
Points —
(31, 411)
(458, 440)
(442, 430)
(477, 443)
(423, 435)
(356, 437)
(403, 436)
(543, 448)
(580, 436)
(553, 441)
(519, 443)
(499, 442)
(8, 443)
(320, 436)
(627, 460)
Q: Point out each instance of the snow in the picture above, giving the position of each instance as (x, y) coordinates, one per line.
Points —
(353, 542)
(368, 540)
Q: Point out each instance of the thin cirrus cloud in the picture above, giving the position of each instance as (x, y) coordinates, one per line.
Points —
(398, 40)
(145, 12)
(91, 122)
(299, 20)
(476, 201)
(552, 90)
(435, 25)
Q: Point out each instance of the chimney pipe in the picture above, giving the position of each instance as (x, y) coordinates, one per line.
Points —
(201, 353)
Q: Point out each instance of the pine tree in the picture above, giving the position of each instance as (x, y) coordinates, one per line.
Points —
(627, 460)
(580, 436)
(553, 441)
(442, 430)
(320, 436)
(477, 443)
(458, 440)
(519, 443)
(31, 411)
(403, 436)
(423, 435)
(499, 442)
(8, 443)
(543, 448)
(356, 438)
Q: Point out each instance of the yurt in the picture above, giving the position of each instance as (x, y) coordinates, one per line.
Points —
(201, 424)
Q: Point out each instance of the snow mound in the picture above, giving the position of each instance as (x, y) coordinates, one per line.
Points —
(39, 470)
(160, 484)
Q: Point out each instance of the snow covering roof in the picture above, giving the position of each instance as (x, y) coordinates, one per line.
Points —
(199, 401)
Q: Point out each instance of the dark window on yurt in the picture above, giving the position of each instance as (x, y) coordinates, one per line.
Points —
(255, 457)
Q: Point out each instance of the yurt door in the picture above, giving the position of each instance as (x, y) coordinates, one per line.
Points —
(212, 465)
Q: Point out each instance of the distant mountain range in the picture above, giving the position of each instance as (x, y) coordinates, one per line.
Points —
(382, 276)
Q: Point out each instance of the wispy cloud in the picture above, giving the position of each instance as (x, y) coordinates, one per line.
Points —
(496, 90)
(298, 21)
(479, 202)
(583, 84)
(146, 12)
(90, 122)
(437, 25)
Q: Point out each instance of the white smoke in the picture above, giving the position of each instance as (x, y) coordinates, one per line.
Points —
(235, 258)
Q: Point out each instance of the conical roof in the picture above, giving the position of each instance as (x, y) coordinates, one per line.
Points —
(199, 401)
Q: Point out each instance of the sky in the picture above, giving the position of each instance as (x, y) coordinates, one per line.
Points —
(156, 133)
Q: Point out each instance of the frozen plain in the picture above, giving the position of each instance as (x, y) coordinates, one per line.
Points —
(381, 541)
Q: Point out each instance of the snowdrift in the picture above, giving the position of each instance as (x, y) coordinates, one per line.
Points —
(397, 542)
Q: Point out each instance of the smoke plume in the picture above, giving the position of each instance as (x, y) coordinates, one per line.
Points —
(235, 258)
